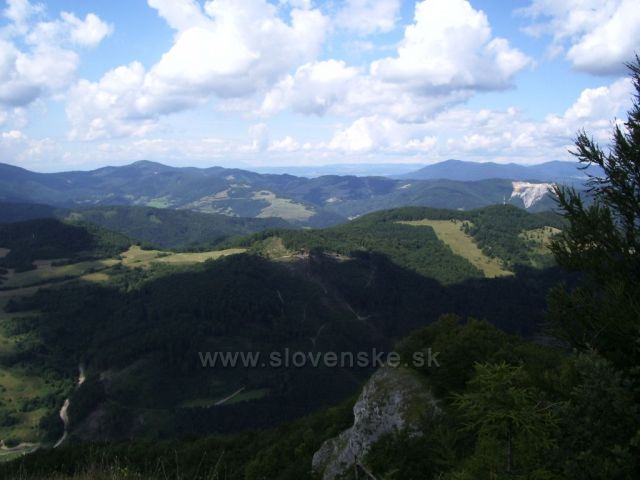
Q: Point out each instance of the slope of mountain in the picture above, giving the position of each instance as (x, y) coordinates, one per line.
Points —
(48, 239)
(167, 228)
(554, 171)
(450, 246)
(164, 228)
(140, 328)
(317, 202)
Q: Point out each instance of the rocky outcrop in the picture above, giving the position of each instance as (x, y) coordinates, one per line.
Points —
(394, 399)
(530, 193)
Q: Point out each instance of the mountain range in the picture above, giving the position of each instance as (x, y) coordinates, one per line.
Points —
(554, 171)
(317, 202)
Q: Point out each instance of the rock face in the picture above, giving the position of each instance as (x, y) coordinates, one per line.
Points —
(530, 193)
(394, 399)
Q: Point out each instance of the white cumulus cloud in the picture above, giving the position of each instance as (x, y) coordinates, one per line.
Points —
(596, 36)
(37, 57)
(450, 46)
(224, 49)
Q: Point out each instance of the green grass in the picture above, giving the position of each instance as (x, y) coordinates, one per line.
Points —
(272, 247)
(450, 232)
(160, 202)
(45, 272)
(137, 257)
(17, 386)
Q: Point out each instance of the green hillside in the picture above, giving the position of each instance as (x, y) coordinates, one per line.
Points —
(47, 239)
(172, 228)
(147, 313)
(494, 240)
(164, 228)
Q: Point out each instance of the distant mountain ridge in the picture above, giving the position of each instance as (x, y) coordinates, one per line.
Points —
(553, 171)
(316, 202)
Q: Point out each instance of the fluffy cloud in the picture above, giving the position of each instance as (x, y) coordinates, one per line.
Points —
(108, 107)
(449, 46)
(369, 16)
(286, 144)
(596, 36)
(37, 58)
(235, 49)
(505, 135)
(19, 12)
(88, 32)
(380, 134)
(225, 49)
(446, 56)
(314, 88)
(333, 87)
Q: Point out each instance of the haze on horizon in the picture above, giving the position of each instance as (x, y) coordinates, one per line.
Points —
(301, 82)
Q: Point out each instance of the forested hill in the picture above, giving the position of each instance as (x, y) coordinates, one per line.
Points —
(444, 244)
(145, 315)
(49, 239)
(164, 228)
(167, 228)
(315, 202)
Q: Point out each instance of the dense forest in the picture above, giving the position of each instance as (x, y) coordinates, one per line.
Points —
(497, 230)
(45, 239)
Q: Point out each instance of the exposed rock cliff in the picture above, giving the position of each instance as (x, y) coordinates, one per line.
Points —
(394, 399)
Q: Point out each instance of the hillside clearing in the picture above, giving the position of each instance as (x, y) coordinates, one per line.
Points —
(137, 257)
(46, 271)
(450, 232)
(282, 207)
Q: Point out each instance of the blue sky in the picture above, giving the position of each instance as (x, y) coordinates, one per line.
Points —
(301, 82)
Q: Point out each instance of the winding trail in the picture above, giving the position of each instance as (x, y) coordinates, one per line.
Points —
(226, 399)
(64, 410)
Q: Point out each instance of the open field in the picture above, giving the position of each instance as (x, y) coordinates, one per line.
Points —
(282, 207)
(273, 247)
(450, 232)
(137, 257)
(96, 270)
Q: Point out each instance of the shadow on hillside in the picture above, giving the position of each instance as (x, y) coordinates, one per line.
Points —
(141, 347)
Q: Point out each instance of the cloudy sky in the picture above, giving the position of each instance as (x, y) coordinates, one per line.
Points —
(86, 83)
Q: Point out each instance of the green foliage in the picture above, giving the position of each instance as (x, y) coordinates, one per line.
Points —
(599, 423)
(497, 230)
(602, 241)
(282, 453)
(513, 423)
(176, 229)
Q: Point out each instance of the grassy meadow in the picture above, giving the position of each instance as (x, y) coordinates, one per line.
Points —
(450, 232)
